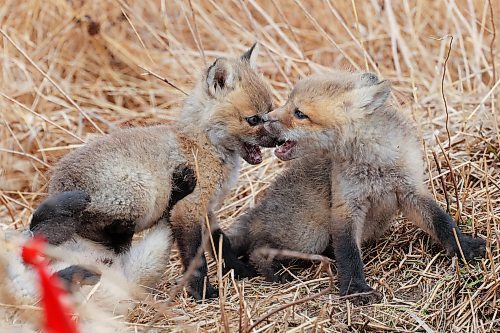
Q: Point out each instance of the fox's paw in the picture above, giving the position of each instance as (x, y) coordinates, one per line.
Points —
(358, 292)
(241, 269)
(76, 275)
(197, 290)
(281, 276)
(472, 248)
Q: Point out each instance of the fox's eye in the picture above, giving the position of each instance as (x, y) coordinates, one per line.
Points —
(299, 114)
(253, 120)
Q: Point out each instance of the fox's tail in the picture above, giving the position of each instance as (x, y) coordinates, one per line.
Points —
(145, 262)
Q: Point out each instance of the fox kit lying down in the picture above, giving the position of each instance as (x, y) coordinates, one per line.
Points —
(82, 263)
(86, 263)
(125, 179)
(362, 166)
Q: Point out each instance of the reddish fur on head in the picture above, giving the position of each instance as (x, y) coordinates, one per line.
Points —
(321, 109)
(237, 92)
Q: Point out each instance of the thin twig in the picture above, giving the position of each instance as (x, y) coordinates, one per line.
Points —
(298, 255)
(161, 78)
(196, 33)
(492, 43)
(442, 91)
(443, 185)
(454, 180)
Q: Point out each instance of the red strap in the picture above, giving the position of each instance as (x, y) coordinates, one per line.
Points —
(57, 315)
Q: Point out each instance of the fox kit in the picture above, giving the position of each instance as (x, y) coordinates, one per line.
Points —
(102, 283)
(84, 264)
(293, 214)
(371, 168)
(125, 179)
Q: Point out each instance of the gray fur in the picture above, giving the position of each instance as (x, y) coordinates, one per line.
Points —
(128, 174)
(358, 164)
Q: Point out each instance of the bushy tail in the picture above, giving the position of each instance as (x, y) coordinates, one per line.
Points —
(147, 259)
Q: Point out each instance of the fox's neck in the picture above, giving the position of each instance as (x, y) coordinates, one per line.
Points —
(364, 143)
(195, 122)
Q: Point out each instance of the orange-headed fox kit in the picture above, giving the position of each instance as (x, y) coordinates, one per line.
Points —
(122, 182)
(362, 165)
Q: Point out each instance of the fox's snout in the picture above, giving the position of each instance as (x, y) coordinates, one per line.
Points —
(272, 123)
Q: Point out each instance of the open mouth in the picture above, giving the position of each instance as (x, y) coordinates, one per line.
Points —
(284, 152)
(251, 153)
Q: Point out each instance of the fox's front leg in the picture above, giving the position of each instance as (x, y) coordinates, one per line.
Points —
(229, 255)
(427, 214)
(186, 221)
(346, 237)
(183, 183)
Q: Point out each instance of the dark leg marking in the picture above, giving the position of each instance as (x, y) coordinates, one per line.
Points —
(189, 239)
(115, 234)
(329, 252)
(56, 218)
(231, 261)
(350, 268)
(76, 275)
(183, 184)
(443, 225)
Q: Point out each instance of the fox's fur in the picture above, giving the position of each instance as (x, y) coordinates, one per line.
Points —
(126, 178)
(358, 164)
(103, 285)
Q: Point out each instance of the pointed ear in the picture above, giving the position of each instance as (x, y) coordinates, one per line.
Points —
(373, 97)
(369, 79)
(251, 55)
(220, 78)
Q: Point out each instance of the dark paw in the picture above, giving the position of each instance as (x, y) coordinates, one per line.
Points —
(183, 183)
(365, 298)
(75, 276)
(360, 293)
(281, 276)
(197, 290)
(241, 269)
(472, 248)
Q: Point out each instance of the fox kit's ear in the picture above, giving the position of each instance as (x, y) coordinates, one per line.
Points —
(374, 96)
(369, 79)
(220, 78)
(251, 55)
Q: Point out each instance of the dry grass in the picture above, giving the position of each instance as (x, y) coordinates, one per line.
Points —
(72, 68)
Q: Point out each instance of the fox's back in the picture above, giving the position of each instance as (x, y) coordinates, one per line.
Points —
(126, 173)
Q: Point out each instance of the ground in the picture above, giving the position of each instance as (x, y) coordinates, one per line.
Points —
(71, 69)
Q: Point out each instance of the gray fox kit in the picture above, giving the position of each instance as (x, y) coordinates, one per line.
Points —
(101, 283)
(122, 183)
(362, 164)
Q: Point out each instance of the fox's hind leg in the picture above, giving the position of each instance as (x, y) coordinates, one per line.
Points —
(57, 217)
(434, 220)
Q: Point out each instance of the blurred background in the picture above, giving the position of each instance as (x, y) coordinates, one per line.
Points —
(72, 69)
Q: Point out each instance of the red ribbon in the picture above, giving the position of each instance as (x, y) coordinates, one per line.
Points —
(57, 315)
